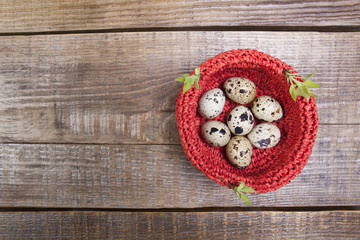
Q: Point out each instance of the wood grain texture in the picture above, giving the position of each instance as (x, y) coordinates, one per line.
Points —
(38, 16)
(120, 88)
(160, 176)
(178, 225)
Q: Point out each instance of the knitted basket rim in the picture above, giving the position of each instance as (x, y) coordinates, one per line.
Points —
(270, 168)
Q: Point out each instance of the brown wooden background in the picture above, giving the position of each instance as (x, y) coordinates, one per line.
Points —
(89, 147)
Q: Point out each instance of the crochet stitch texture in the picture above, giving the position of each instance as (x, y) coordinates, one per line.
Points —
(270, 168)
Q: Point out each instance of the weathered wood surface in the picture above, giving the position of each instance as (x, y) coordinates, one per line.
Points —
(160, 176)
(37, 16)
(180, 225)
(120, 88)
(115, 93)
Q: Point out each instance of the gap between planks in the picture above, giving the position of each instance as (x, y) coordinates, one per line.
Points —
(95, 143)
(201, 209)
(349, 28)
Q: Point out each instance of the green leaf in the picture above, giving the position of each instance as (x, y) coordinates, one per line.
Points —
(197, 83)
(238, 194)
(300, 91)
(294, 74)
(246, 199)
(312, 94)
(302, 87)
(241, 186)
(308, 92)
(248, 190)
(191, 79)
(298, 83)
(292, 92)
(303, 91)
(187, 85)
(311, 84)
(182, 78)
(197, 72)
(310, 75)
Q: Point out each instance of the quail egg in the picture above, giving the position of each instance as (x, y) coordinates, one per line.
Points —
(264, 135)
(240, 120)
(212, 103)
(215, 133)
(239, 151)
(267, 109)
(240, 90)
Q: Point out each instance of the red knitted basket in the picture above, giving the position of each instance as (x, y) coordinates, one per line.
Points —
(270, 168)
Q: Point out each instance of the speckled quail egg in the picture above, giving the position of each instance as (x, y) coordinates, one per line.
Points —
(240, 120)
(212, 103)
(267, 109)
(240, 90)
(264, 135)
(215, 133)
(239, 151)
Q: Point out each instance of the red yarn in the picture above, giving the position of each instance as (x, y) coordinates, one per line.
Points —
(270, 168)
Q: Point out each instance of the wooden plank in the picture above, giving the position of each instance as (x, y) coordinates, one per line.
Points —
(38, 16)
(160, 176)
(118, 88)
(180, 225)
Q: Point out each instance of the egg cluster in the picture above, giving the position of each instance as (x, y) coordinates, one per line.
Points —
(240, 121)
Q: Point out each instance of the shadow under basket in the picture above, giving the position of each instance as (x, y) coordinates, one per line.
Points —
(270, 168)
